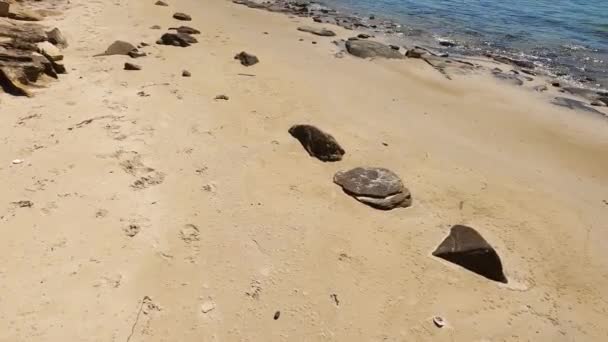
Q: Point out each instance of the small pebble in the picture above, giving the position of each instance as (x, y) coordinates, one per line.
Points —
(186, 73)
(277, 315)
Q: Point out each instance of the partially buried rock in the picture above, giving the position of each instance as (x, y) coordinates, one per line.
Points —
(119, 47)
(368, 49)
(467, 248)
(186, 30)
(317, 143)
(246, 59)
(318, 31)
(182, 16)
(377, 187)
(177, 39)
(131, 66)
(161, 3)
(186, 73)
(222, 97)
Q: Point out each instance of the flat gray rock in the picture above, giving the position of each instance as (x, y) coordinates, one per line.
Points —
(377, 187)
(574, 105)
(467, 248)
(369, 49)
(317, 143)
(318, 31)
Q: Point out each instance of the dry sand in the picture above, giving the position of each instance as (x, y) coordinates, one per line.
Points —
(232, 217)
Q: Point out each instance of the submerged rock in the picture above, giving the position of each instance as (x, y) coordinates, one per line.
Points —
(369, 49)
(467, 248)
(246, 59)
(377, 187)
(318, 31)
(317, 143)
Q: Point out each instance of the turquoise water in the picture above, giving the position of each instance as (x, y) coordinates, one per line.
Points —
(570, 36)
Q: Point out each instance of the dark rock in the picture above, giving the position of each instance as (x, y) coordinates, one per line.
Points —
(182, 16)
(186, 73)
(119, 47)
(317, 19)
(317, 143)
(447, 43)
(186, 30)
(394, 47)
(277, 315)
(222, 97)
(56, 38)
(467, 248)
(177, 39)
(574, 105)
(370, 49)
(246, 58)
(415, 53)
(318, 31)
(555, 84)
(24, 204)
(529, 72)
(131, 66)
(161, 3)
(377, 187)
(598, 103)
(363, 35)
(604, 99)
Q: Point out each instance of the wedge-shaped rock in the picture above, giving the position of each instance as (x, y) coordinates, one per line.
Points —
(467, 248)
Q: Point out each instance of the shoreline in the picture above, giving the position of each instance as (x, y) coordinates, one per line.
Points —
(391, 31)
(158, 205)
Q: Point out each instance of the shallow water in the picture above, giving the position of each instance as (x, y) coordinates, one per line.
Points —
(568, 36)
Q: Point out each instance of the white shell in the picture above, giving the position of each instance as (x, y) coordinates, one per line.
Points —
(439, 322)
(17, 161)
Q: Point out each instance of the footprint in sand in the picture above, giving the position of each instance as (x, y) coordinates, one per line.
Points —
(130, 162)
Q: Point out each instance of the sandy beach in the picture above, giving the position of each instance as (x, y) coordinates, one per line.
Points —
(160, 213)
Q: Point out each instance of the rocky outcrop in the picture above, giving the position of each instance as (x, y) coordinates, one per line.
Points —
(377, 187)
(319, 31)
(467, 248)
(370, 49)
(22, 61)
(317, 143)
(246, 59)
